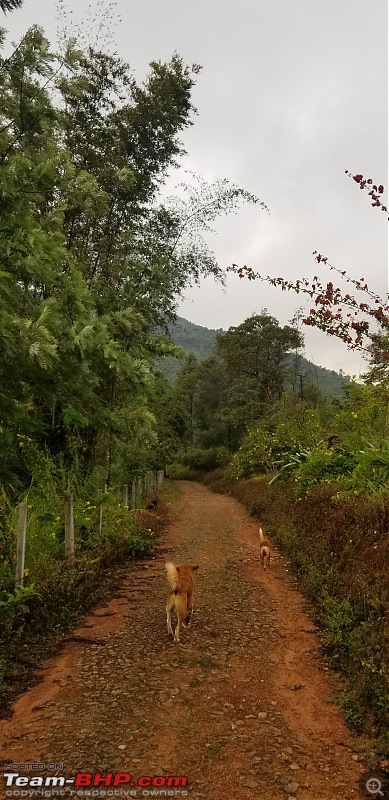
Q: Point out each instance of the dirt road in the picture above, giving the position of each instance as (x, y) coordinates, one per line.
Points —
(241, 706)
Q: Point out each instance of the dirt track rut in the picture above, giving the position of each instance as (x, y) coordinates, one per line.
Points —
(242, 706)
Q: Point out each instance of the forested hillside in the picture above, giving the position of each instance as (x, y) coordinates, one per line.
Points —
(201, 341)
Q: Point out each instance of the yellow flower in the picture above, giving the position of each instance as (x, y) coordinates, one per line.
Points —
(26, 572)
(30, 506)
(57, 519)
(53, 535)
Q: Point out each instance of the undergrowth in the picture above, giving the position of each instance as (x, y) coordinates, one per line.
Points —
(339, 548)
(55, 595)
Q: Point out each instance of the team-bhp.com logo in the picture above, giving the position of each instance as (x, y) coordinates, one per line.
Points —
(94, 784)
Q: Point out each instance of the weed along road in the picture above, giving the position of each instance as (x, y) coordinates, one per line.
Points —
(241, 707)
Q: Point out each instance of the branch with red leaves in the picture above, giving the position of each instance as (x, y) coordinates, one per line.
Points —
(373, 190)
(335, 312)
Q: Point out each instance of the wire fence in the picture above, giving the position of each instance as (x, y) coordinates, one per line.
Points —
(130, 495)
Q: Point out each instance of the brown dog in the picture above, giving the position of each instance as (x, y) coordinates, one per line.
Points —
(264, 549)
(181, 595)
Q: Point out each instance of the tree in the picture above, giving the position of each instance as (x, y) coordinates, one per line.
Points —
(10, 5)
(90, 263)
(185, 391)
(211, 395)
(255, 355)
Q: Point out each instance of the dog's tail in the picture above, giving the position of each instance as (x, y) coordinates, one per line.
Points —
(261, 536)
(172, 577)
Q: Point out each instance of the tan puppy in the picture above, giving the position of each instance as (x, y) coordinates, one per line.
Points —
(264, 549)
(181, 595)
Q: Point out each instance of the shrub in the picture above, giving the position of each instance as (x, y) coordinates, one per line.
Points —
(195, 459)
(267, 443)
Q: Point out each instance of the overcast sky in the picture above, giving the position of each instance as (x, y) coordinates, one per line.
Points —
(292, 93)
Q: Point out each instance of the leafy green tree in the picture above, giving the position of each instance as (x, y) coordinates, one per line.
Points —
(90, 263)
(185, 391)
(255, 357)
(210, 400)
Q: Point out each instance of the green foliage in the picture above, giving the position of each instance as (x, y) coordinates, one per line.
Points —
(92, 265)
(196, 338)
(55, 593)
(205, 459)
(278, 440)
(254, 355)
(361, 413)
(371, 471)
(319, 466)
(323, 445)
(196, 461)
(17, 603)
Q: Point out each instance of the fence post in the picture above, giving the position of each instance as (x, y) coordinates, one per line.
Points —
(125, 494)
(21, 543)
(100, 523)
(69, 529)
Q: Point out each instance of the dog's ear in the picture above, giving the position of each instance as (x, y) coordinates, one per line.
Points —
(195, 566)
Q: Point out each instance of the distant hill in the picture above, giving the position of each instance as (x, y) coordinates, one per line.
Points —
(194, 337)
(200, 340)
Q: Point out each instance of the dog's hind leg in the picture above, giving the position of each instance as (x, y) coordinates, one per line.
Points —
(189, 612)
(169, 608)
(181, 612)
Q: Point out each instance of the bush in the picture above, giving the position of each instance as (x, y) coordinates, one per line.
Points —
(269, 441)
(198, 459)
(321, 466)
